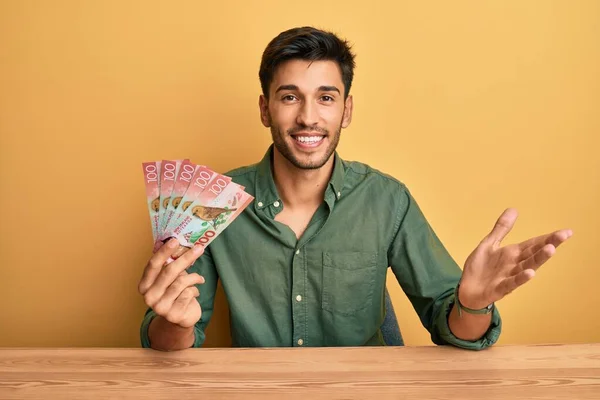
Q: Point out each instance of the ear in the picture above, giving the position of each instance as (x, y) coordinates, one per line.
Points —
(347, 117)
(263, 105)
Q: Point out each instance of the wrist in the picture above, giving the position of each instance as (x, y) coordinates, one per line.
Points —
(166, 336)
(471, 304)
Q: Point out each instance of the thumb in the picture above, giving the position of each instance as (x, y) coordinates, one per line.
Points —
(503, 225)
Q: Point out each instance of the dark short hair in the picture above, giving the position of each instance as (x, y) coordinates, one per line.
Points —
(310, 44)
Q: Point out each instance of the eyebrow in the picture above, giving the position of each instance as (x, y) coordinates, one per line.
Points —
(329, 89)
(321, 88)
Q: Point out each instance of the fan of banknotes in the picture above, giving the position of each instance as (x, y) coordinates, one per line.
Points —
(190, 202)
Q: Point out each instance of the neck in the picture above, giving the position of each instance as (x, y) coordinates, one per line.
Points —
(298, 187)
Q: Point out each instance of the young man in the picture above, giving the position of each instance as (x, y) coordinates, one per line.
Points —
(306, 263)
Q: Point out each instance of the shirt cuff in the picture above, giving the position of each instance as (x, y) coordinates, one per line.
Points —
(144, 328)
(445, 335)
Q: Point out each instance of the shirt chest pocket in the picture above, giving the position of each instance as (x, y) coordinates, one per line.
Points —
(348, 281)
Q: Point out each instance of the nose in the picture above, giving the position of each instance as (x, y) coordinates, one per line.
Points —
(308, 114)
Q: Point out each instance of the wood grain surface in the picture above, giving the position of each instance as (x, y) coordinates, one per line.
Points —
(501, 372)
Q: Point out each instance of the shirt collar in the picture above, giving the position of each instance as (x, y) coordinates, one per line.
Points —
(266, 192)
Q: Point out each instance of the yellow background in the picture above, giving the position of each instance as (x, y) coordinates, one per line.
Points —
(475, 105)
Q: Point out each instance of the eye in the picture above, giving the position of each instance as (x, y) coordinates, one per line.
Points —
(327, 98)
(289, 97)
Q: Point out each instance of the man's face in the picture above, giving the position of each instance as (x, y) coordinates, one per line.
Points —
(306, 111)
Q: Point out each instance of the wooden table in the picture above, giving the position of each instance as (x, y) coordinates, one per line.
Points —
(502, 372)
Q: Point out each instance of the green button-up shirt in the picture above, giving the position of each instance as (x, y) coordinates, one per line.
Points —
(327, 288)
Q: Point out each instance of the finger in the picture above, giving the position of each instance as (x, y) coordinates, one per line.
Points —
(513, 282)
(180, 284)
(538, 258)
(532, 246)
(535, 260)
(171, 259)
(185, 313)
(503, 225)
(179, 252)
(169, 273)
(155, 264)
(177, 312)
(551, 237)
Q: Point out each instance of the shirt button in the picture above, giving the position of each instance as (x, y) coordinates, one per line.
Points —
(298, 298)
(260, 203)
(339, 194)
(297, 251)
(300, 342)
(276, 204)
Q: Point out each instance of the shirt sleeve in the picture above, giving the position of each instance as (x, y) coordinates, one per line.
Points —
(204, 266)
(428, 276)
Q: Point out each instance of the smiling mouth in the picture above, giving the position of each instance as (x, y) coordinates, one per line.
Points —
(308, 139)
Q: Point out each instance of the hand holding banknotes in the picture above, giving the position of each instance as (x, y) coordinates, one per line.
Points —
(170, 291)
(189, 206)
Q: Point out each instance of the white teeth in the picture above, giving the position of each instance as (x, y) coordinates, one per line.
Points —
(309, 139)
